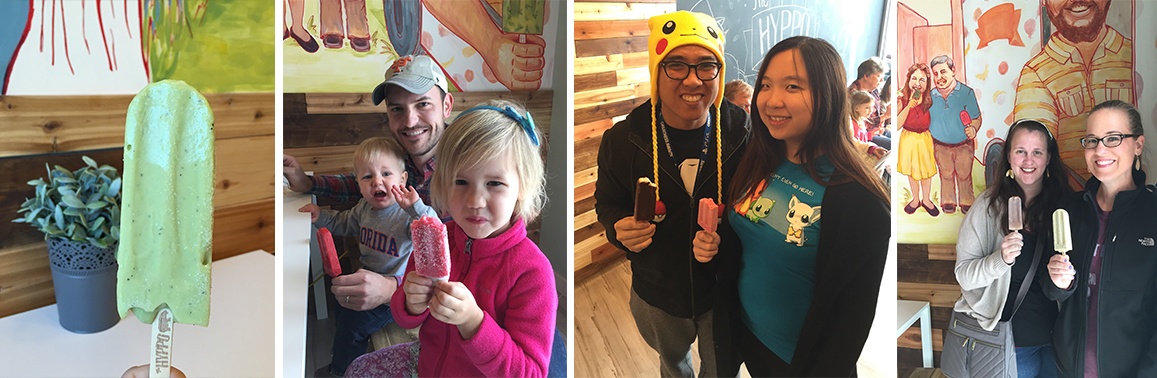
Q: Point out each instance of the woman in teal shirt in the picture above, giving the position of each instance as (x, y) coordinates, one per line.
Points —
(800, 296)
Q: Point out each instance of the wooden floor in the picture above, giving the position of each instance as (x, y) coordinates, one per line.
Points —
(607, 342)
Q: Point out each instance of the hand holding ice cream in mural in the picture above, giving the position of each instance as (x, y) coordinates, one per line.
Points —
(513, 58)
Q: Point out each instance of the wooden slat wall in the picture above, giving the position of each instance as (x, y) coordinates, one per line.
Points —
(611, 79)
(323, 129)
(925, 272)
(58, 130)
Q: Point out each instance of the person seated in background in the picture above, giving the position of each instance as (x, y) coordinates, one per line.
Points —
(869, 75)
(739, 93)
(862, 104)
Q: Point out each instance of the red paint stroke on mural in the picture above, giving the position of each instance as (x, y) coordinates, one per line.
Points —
(16, 52)
(64, 29)
(84, 26)
(103, 35)
(999, 22)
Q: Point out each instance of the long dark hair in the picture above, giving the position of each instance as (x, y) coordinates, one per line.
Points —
(830, 133)
(1038, 214)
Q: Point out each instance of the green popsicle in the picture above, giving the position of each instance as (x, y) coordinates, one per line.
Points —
(522, 16)
(166, 232)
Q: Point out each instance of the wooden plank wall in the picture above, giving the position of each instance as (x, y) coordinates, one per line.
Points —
(322, 130)
(925, 272)
(611, 79)
(58, 130)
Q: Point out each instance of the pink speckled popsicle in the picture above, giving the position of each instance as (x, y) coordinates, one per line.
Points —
(431, 248)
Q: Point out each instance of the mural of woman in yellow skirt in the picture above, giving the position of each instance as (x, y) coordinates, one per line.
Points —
(915, 158)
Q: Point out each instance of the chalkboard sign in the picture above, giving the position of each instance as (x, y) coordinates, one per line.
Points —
(752, 27)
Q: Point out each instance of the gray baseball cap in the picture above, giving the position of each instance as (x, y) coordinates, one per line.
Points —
(414, 73)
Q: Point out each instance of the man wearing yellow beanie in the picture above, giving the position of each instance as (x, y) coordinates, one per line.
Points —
(686, 142)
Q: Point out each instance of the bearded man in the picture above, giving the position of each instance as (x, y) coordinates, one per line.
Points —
(1085, 62)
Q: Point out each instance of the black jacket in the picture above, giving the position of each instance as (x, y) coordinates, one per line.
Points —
(665, 274)
(1127, 294)
(853, 248)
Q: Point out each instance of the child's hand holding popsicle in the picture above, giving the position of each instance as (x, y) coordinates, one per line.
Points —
(454, 304)
(419, 291)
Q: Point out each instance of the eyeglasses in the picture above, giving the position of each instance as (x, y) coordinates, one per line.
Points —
(705, 71)
(1111, 140)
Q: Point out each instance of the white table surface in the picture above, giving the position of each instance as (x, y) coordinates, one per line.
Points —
(297, 231)
(907, 313)
(239, 341)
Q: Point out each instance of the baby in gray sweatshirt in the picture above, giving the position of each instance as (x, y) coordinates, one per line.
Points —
(381, 219)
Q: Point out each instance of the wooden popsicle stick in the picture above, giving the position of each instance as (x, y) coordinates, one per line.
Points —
(161, 348)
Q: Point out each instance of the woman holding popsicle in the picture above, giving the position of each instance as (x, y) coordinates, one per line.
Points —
(1106, 284)
(494, 315)
(915, 158)
(997, 250)
(812, 222)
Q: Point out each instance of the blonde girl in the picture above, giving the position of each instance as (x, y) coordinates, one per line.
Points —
(495, 314)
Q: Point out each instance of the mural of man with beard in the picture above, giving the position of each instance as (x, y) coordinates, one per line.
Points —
(1085, 62)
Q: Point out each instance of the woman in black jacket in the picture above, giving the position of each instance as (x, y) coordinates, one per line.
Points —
(1108, 284)
(797, 298)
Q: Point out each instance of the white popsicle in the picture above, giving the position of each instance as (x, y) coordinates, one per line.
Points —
(1062, 238)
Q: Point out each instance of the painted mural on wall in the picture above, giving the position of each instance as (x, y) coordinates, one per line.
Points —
(481, 45)
(83, 47)
(967, 69)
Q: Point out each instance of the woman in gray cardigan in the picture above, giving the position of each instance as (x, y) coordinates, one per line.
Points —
(992, 262)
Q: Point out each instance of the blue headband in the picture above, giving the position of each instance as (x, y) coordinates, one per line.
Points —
(526, 122)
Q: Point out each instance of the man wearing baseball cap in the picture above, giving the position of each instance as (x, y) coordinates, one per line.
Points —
(417, 106)
(687, 141)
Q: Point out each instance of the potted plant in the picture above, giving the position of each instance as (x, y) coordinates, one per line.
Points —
(79, 214)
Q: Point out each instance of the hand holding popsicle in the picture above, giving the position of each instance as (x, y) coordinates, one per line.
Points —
(1061, 271)
(419, 291)
(142, 371)
(634, 234)
(706, 245)
(1011, 247)
(454, 304)
(363, 290)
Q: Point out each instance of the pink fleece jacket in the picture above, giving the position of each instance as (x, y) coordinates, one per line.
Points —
(513, 284)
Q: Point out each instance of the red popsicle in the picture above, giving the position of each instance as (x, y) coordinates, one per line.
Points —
(431, 249)
(328, 252)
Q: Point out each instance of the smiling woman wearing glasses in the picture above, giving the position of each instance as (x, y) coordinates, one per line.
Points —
(1106, 285)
